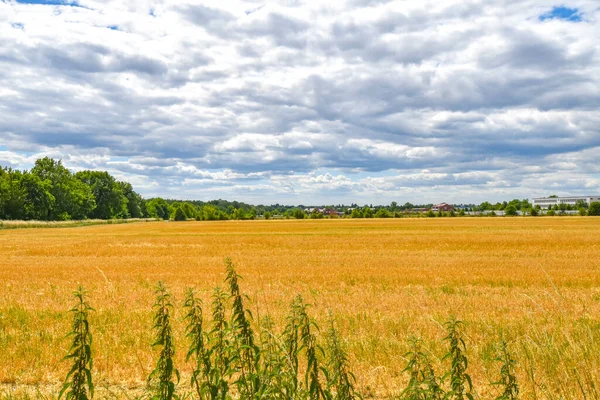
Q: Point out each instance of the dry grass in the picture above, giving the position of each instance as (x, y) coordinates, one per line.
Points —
(534, 280)
(18, 224)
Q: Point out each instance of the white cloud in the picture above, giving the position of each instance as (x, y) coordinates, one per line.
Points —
(304, 101)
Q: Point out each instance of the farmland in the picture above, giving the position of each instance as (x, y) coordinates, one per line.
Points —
(534, 281)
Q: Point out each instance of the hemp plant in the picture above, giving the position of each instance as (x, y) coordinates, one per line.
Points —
(460, 382)
(508, 378)
(78, 383)
(160, 381)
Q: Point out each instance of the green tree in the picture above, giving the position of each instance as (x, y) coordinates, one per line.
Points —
(581, 204)
(189, 210)
(108, 194)
(72, 198)
(239, 213)
(594, 208)
(12, 194)
(252, 213)
(157, 208)
(382, 213)
(267, 215)
(510, 210)
(39, 200)
(135, 203)
(298, 213)
(209, 213)
(179, 215)
(485, 206)
(356, 213)
(367, 212)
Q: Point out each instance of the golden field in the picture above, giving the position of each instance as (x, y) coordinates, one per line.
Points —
(536, 281)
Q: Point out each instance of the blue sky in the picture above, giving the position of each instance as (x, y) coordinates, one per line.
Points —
(366, 101)
(564, 13)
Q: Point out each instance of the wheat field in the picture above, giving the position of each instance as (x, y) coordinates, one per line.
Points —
(533, 281)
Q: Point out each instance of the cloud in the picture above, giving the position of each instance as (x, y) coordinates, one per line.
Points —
(307, 102)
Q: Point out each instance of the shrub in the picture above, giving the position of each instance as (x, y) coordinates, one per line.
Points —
(382, 213)
(594, 208)
(430, 214)
(298, 214)
(267, 215)
(582, 212)
(78, 383)
(551, 213)
(510, 210)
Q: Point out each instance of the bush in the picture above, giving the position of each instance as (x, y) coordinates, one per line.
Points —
(510, 210)
(430, 214)
(551, 213)
(582, 212)
(298, 214)
(382, 213)
(267, 215)
(594, 209)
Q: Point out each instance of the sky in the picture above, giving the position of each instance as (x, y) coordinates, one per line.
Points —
(308, 102)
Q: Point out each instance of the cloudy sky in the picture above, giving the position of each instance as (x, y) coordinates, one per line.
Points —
(301, 101)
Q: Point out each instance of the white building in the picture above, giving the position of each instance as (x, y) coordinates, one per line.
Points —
(545, 202)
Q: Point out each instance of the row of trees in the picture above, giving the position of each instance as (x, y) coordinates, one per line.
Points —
(51, 192)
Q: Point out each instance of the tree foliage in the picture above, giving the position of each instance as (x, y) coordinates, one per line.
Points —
(594, 209)
(50, 192)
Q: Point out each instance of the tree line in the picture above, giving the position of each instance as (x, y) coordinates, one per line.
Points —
(51, 192)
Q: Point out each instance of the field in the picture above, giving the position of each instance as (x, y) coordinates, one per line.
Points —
(536, 281)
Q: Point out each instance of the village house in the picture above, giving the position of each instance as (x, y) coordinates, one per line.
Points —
(442, 207)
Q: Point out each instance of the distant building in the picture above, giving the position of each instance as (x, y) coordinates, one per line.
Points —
(442, 207)
(545, 202)
(464, 207)
(333, 212)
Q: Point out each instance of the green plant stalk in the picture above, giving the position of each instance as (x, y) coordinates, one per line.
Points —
(160, 381)
(78, 382)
